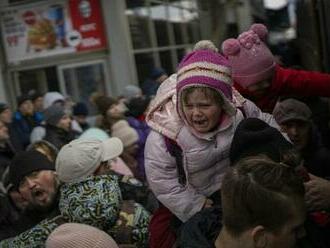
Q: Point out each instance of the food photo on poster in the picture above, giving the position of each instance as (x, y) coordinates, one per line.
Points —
(67, 26)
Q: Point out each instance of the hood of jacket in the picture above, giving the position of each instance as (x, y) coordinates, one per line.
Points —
(163, 114)
(94, 201)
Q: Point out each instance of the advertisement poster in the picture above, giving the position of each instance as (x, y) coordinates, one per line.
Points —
(52, 29)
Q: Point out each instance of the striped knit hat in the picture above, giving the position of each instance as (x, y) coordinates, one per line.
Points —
(205, 67)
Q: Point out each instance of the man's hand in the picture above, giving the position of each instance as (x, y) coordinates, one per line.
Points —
(317, 193)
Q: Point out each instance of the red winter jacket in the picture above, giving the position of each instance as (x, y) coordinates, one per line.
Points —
(289, 82)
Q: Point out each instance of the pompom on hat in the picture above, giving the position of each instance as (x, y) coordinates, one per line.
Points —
(205, 67)
(249, 57)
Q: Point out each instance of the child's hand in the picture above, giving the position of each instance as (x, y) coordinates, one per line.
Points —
(317, 193)
(208, 203)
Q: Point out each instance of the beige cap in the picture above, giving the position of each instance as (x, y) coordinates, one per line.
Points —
(122, 130)
(81, 157)
(74, 235)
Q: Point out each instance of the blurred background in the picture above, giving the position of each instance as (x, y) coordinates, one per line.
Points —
(79, 47)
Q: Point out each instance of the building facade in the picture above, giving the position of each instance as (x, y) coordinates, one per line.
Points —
(78, 47)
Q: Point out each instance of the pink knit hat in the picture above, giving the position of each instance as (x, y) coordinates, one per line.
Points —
(250, 58)
(72, 235)
(205, 67)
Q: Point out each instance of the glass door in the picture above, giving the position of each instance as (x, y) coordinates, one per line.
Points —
(39, 79)
(80, 80)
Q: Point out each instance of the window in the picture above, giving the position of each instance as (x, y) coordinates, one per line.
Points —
(161, 32)
(82, 79)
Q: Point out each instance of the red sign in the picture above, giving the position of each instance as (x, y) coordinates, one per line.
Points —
(29, 17)
(49, 29)
(86, 18)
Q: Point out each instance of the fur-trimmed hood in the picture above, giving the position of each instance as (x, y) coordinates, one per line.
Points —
(163, 115)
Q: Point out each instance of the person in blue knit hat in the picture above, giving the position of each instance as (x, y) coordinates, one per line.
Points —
(156, 77)
(80, 113)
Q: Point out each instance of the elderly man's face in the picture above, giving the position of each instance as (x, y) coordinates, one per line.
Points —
(40, 189)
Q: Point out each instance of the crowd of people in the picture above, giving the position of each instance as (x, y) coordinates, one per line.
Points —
(223, 153)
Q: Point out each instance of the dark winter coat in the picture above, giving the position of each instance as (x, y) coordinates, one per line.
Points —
(21, 128)
(316, 156)
(8, 216)
(202, 229)
(29, 219)
(6, 155)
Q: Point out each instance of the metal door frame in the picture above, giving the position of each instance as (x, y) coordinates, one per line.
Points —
(61, 68)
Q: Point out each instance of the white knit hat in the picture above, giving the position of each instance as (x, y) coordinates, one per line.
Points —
(81, 157)
(122, 130)
(74, 235)
(51, 97)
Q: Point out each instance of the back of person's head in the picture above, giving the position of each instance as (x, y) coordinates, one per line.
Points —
(103, 103)
(157, 72)
(137, 106)
(260, 192)
(254, 137)
(80, 109)
(249, 56)
(75, 235)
